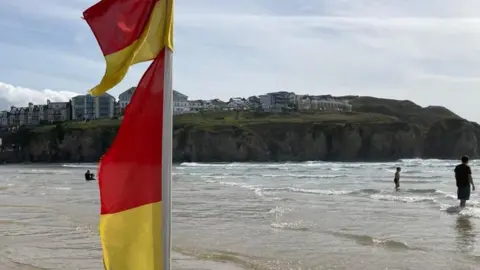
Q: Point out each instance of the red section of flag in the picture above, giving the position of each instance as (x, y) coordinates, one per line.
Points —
(130, 172)
(118, 23)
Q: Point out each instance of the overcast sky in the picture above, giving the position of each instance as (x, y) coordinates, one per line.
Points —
(427, 51)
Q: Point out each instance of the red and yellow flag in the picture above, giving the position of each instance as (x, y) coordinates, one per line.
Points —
(129, 32)
(130, 173)
(130, 181)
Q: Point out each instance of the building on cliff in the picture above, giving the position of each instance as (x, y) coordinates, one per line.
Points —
(35, 114)
(237, 104)
(124, 99)
(277, 101)
(90, 107)
(3, 119)
(58, 111)
(180, 103)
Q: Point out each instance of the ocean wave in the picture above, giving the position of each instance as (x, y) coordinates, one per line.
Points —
(368, 240)
(221, 256)
(453, 196)
(258, 190)
(420, 191)
(308, 164)
(405, 196)
(307, 176)
(278, 210)
(47, 172)
(425, 177)
(296, 225)
(408, 181)
(404, 199)
(59, 188)
(319, 191)
(83, 165)
(308, 191)
(469, 211)
(368, 191)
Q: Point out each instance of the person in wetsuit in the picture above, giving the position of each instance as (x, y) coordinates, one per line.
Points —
(463, 177)
(396, 179)
(89, 176)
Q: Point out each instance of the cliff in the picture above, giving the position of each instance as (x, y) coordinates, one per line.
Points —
(379, 130)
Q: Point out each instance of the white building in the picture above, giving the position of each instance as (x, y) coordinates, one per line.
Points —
(4, 119)
(90, 107)
(237, 104)
(13, 116)
(58, 111)
(180, 103)
(125, 98)
(196, 105)
(215, 105)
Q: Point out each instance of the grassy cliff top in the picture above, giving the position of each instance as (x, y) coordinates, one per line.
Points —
(405, 110)
(258, 118)
(80, 125)
(231, 117)
(366, 110)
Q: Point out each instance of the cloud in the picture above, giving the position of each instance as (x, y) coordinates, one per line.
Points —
(11, 95)
(425, 51)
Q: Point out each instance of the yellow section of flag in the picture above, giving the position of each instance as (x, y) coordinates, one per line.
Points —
(132, 239)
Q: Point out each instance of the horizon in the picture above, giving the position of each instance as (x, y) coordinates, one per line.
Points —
(229, 49)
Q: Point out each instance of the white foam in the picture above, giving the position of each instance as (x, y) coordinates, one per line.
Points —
(60, 188)
(80, 165)
(295, 225)
(406, 199)
(319, 191)
(470, 212)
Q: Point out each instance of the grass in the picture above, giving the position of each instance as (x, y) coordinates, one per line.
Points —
(231, 118)
(79, 125)
(256, 118)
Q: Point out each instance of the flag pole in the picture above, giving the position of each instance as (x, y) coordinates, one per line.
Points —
(167, 141)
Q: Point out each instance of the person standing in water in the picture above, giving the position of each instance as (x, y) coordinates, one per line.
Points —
(463, 177)
(396, 179)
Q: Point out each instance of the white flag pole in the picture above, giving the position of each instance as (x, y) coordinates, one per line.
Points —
(167, 140)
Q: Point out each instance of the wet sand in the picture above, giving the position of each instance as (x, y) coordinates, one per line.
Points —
(179, 262)
(182, 262)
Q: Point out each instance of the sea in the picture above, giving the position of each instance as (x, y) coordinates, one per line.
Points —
(309, 215)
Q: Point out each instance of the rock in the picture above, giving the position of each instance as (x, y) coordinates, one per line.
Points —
(452, 138)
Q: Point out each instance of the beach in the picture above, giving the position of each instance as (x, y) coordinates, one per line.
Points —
(309, 215)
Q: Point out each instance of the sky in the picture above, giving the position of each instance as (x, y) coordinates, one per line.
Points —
(426, 51)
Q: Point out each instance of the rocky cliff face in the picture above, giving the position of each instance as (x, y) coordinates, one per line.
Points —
(448, 138)
(300, 142)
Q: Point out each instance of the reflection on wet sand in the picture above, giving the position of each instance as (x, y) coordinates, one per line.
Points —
(465, 238)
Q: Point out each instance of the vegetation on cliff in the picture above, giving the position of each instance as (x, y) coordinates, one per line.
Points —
(379, 129)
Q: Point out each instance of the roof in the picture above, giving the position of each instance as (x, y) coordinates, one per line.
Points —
(129, 91)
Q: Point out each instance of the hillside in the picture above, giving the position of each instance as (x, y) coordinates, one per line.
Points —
(404, 110)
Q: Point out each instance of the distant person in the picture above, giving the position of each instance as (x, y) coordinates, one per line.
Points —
(89, 176)
(396, 179)
(463, 177)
